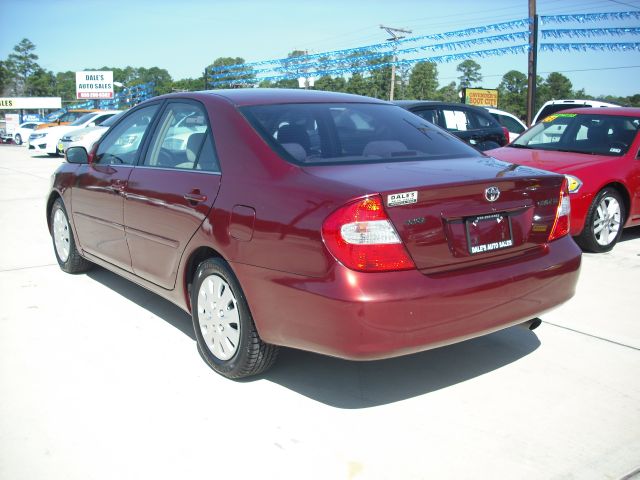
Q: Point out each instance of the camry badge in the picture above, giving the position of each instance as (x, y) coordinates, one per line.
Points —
(492, 194)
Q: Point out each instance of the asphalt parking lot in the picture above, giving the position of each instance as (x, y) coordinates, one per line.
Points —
(100, 379)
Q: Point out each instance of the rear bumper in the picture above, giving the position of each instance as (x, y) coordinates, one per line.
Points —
(366, 316)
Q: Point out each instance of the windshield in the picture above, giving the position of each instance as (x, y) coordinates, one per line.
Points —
(324, 133)
(582, 133)
(82, 120)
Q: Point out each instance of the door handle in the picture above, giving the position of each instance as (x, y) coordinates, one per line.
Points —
(195, 197)
(118, 186)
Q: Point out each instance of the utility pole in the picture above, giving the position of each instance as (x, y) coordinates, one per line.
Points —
(394, 38)
(533, 62)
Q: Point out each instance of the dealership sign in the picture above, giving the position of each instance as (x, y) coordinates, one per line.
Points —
(482, 97)
(94, 85)
(19, 103)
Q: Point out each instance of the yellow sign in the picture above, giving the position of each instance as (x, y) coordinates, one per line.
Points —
(481, 97)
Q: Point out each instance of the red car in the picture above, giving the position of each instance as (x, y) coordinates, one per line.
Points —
(327, 222)
(598, 149)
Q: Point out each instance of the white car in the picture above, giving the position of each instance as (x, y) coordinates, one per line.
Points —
(21, 134)
(509, 121)
(86, 137)
(46, 140)
(555, 106)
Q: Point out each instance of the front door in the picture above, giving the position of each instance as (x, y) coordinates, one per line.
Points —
(98, 196)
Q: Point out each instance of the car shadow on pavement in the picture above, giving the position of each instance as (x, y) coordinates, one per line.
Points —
(155, 304)
(630, 234)
(350, 385)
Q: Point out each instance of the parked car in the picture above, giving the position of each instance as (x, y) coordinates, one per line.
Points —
(328, 222)
(21, 134)
(554, 106)
(47, 140)
(472, 124)
(513, 124)
(86, 136)
(67, 118)
(598, 150)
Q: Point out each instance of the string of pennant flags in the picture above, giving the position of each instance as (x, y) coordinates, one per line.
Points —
(376, 56)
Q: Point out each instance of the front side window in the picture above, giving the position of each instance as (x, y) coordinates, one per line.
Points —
(328, 133)
(512, 125)
(182, 139)
(582, 133)
(121, 144)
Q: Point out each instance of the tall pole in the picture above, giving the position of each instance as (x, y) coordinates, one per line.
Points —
(394, 38)
(533, 61)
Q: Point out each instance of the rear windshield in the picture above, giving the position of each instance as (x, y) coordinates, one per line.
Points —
(582, 133)
(558, 107)
(329, 133)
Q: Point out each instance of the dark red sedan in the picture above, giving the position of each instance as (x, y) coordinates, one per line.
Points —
(327, 222)
(599, 151)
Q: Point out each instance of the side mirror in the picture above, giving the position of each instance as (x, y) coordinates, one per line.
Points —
(92, 124)
(76, 155)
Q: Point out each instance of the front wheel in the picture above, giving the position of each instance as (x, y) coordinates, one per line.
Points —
(226, 335)
(603, 225)
(64, 244)
(18, 139)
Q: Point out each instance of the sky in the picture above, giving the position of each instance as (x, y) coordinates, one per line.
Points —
(183, 36)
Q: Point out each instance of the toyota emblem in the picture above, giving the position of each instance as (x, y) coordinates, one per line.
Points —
(492, 194)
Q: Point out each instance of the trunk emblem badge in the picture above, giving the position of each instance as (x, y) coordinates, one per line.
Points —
(492, 194)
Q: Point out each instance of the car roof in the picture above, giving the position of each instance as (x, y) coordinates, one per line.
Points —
(618, 111)
(269, 96)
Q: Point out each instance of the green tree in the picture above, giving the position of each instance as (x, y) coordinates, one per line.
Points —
(5, 77)
(188, 85)
(512, 93)
(357, 84)
(159, 76)
(379, 79)
(237, 77)
(448, 93)
(40, 83)
(65, 83)
(331, 84)
(470, 73)
(22, 64)
(558, 86)
(423, 81)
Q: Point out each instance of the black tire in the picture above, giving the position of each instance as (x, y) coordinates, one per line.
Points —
(74, 262)
(251, 355)
(18, 139)
(588, 239)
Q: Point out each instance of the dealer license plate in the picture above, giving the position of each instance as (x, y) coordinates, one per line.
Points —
(486, 233)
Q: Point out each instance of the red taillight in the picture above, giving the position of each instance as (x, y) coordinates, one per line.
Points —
(361, 237)
(562, 224)
(506, 134)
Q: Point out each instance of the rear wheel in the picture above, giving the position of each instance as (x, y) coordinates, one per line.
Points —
(64, 244)
(18, 139)
(226, 335)
(603, 225)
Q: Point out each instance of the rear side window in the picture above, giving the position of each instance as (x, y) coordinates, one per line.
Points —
(324, 133)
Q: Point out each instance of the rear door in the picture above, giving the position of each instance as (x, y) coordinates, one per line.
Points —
(171, 191)
(97, 197)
